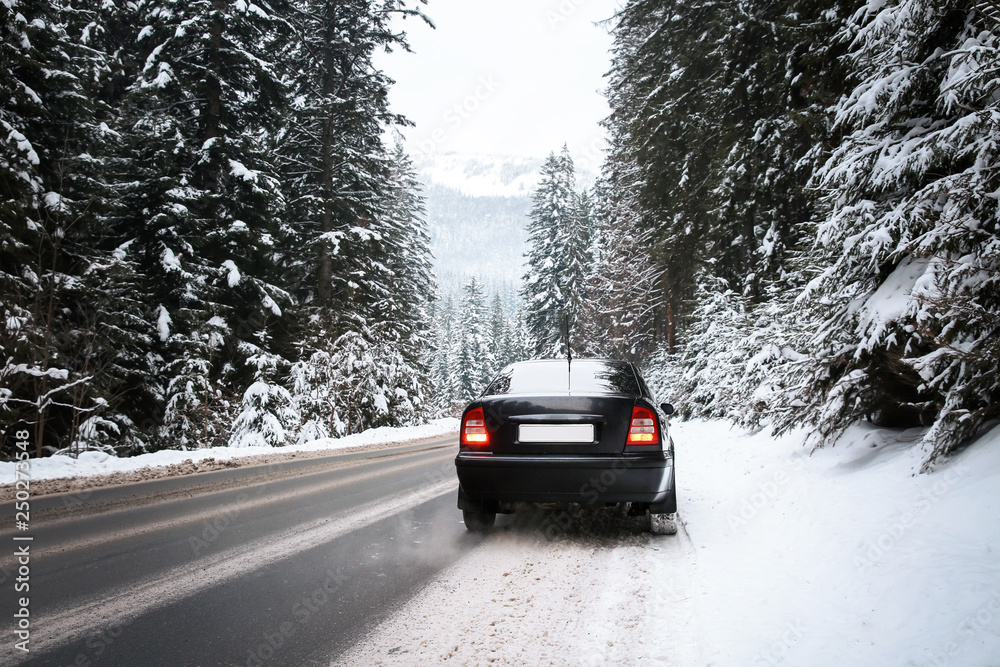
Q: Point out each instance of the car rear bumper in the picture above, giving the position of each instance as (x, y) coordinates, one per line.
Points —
(488, 479)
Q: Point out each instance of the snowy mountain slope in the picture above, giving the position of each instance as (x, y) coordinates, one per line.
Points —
(840, 558)
(481, 175)
(477, 235)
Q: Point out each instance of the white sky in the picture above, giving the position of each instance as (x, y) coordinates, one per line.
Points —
(505, 77)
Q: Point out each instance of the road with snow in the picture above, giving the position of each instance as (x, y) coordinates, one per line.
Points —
(285, 564)
(785, 557)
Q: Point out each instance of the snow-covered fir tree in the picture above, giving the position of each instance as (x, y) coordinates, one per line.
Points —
(443, 383)
(617, 319)
(557, 263)
(666, 65)
(204, 202)
(65, 360)
(836, 217)
(268, 417)
(475, 364)
(331, 147)
(205, 240)
(357, 247)
(153, 280)
(906, 303)
(22, 330)
(406, 244)
(718, 111)
(501, 334)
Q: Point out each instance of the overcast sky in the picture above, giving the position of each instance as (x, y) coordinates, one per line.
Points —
(506, 77)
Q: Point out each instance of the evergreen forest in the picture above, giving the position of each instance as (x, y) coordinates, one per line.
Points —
(206, 239)
(796, 224)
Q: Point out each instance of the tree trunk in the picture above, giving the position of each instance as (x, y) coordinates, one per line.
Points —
(671, 327)
(324, 287)
(209, 174)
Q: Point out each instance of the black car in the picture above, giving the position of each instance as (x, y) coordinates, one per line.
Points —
(563, 431)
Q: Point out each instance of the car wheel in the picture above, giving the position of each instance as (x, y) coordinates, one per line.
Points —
(479, 521)
(663, 524)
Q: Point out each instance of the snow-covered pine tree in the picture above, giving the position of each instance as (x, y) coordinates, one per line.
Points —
(355, 383)
(112, 332)
(556, 266)
(444, 350)
(501, 336)
(357, 249)
(735, 360)
(475, 365)
(618, 318)
(406, 244)
(338, 168)
(142, 209)
(56, 343)
(22, 338)
(575, 240)
(780, 71)
(394, 292)
(907, 303)
(664, 127)
(521, 341)
(361, 381)
(203, 202)
(268, 417)
(712, 361)
(777, 76)
(717, 109)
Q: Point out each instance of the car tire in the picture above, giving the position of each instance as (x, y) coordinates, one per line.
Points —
(663, 524)
(479, 521)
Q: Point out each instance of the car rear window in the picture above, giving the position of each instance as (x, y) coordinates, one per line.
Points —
(559, 376)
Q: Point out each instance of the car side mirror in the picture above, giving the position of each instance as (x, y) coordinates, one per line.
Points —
(667, 408)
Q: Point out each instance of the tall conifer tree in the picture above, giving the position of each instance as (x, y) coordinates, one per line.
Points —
(556, 264)
(475, 362)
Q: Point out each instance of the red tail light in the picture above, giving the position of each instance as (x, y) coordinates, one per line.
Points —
(642, 430)
(474, 429)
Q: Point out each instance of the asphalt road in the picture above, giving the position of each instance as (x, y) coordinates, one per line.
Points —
(288, 564)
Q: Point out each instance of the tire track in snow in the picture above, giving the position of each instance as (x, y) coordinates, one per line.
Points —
(589, 597)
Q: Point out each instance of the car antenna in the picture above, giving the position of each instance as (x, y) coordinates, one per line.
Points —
(569, 354)
(569, 351)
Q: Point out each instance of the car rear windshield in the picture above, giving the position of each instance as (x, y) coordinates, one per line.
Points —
(559, 376)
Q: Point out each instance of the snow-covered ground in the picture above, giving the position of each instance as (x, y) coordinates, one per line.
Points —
(96, 463)
(844, 557)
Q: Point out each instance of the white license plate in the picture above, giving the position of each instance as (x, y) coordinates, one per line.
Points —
(556, 433)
